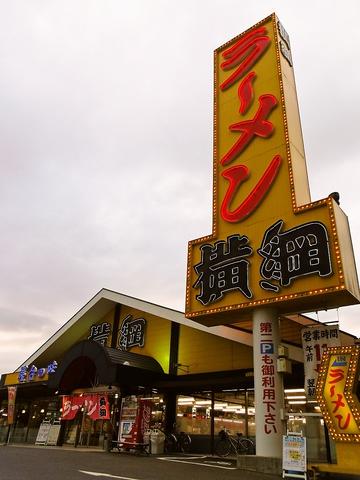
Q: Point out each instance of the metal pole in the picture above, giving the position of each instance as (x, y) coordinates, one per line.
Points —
(212, 423)
(246, 413)
(327, 443)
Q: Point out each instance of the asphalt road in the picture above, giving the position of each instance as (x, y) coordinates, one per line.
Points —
(55, 463)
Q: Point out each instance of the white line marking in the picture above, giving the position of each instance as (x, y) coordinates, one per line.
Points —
(100, 474)
(198, 457)
(172, 459)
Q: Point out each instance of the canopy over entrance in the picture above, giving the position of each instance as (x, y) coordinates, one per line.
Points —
(89, 364)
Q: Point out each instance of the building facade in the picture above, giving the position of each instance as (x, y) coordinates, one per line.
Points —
(118, 350)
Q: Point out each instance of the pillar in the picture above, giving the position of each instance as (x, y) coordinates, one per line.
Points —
(269, 391)
(170, 411)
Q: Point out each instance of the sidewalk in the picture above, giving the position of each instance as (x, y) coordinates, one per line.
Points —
(55, 447)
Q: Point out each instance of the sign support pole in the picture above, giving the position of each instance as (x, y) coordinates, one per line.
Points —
(268, 384)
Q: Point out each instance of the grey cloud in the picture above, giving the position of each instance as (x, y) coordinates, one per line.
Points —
(106, 140)
(13, 320)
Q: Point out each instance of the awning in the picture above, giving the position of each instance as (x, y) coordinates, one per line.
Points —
(88, 363)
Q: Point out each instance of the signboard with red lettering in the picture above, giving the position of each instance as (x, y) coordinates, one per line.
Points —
(270, 415)
(269, 244)
(315, 340)
(338, 392)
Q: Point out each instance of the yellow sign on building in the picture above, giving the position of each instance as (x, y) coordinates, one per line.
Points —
(269, 244)
(337, 392)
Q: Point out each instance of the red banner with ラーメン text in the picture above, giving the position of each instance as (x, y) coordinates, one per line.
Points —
(96, 406)
(71, 404)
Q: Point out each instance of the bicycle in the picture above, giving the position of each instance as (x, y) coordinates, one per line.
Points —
(239, 445)
(177, 442)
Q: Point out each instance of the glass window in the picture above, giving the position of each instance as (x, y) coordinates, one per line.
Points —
(38, 412)
(305, 418)
(3, 421)
(233, 410)
(193, 414)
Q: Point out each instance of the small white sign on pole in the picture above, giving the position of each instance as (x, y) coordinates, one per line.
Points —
(294, 456)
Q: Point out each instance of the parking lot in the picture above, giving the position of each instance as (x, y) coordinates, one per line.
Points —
(56, 463)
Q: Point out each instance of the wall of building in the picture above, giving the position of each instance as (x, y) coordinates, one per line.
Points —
(203, 352)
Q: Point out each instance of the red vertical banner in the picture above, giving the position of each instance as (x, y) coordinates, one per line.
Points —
(11, 404)
(146, 407)
(142, 422)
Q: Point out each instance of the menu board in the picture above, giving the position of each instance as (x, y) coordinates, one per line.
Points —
(53, 435)
(43, 433)
(294, 453)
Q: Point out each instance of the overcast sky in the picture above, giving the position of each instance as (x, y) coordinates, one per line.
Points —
(106, 144)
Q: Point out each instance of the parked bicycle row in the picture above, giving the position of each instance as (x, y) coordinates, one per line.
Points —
(180, 442)
(225, 445)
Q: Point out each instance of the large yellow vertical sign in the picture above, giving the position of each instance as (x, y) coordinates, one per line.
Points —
(337, 392)
(269, 242)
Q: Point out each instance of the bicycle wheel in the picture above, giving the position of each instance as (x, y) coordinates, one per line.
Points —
(184, 442)
(223, 447)
(170, 443)
(246, 446)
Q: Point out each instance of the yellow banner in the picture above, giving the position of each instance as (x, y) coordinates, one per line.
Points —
(336, 392)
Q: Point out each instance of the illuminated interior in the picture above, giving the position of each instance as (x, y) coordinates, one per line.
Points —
(233, 410)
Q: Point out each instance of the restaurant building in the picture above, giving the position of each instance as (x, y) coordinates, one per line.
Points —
(117, 350)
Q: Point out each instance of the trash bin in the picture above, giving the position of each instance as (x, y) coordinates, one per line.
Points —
(157, 440)
(107, 442)
(146, 438)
